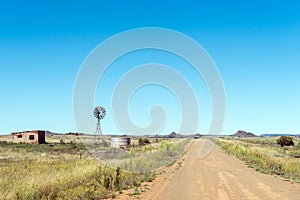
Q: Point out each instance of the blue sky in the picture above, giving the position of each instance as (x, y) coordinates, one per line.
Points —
(255, 45)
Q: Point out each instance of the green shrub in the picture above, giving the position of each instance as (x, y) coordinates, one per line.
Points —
(285, 141)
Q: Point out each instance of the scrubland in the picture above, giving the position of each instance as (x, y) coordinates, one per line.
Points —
(64, 169)
(265, 155)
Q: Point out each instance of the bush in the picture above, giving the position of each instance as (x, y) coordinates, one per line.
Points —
(143, 142)
(285, 141)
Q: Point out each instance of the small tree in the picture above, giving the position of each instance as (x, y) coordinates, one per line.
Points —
(141, 142)
(146, 141)
(285, 141)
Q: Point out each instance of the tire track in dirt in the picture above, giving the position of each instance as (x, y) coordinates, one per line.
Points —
(217, 176)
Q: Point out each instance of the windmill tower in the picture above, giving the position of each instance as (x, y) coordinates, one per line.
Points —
(99, 113)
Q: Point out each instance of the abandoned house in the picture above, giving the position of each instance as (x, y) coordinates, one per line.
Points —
(32, 137)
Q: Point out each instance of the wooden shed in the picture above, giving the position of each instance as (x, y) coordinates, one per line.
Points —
(31, 137)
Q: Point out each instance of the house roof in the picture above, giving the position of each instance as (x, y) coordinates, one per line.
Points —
(33, 131)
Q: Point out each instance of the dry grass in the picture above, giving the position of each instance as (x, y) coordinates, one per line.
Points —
(266, 156)
(151, 157)
(59, 172)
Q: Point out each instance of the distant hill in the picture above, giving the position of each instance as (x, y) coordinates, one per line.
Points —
(49, 133)
(241, 133)
(174, 135)
(278, 134)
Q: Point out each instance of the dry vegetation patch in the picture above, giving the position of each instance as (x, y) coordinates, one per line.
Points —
(64, 169)
(265, 155)
(59, 171)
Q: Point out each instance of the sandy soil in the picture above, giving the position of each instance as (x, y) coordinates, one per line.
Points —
(217, 176)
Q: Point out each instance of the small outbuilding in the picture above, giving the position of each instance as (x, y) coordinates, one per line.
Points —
(119, 142)
(31, 137)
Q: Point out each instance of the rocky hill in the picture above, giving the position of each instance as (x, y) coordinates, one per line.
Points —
(241, 133)
(174, 135)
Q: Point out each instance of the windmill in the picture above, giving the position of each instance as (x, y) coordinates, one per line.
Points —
(99, 113)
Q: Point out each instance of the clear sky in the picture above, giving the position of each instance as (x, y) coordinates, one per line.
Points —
(255, 45)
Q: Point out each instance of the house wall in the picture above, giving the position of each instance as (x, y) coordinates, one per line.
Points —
(32, 137)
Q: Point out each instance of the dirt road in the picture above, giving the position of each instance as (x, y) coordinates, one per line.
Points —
(217, 176)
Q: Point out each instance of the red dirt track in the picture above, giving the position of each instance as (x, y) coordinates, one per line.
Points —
(217, 176)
